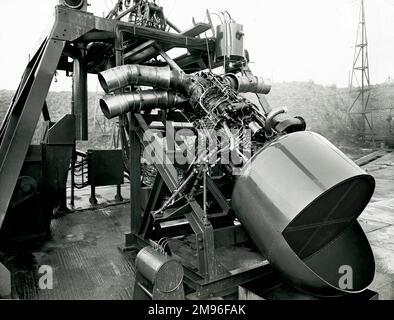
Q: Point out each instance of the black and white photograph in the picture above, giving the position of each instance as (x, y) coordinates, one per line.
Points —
(198, 155)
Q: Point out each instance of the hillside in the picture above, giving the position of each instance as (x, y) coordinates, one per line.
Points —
(59, 104)
(324, 108)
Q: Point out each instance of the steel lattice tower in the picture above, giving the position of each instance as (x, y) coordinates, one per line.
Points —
(358, 111)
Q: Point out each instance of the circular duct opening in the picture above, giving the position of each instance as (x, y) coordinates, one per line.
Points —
(105, 109)
(74, 4)
(328, 215)
(328, 239)
(103, 83)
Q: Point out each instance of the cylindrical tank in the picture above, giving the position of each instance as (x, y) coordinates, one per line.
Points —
(230, 41)
(166, 273)
(299, 199)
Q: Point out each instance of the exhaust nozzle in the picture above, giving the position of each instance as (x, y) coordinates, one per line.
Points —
(244, 84)
(138, 75)
(115, 105)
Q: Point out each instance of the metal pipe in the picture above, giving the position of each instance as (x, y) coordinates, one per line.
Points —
(270, 119)
(248, 83)
(139, 75)
(168, 59)
(205, 195)
(80, 96)
(124, 13)
(145, 290)
(135, 54)
(114, 12)
(173, 26)
(120, 104)
(176, 193)
(73, 161)
(143, 55)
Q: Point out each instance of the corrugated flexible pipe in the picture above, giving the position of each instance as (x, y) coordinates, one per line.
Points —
(139, 75)
(115, 105)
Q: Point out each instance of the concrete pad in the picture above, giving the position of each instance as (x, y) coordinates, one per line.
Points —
(377, 220)
(387, 203)
(384, 188)
(384, 285)
(84, 255)
(387, 292)
(379, 213)
(384, 259)
(387, 159)
(383, 238)
(370, 225)
(380, 280)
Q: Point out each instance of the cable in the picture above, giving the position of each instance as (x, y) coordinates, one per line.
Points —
(217, 15)
(228, 14)
(209, 54)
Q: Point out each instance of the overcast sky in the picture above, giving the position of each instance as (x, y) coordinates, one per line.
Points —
(288, 40)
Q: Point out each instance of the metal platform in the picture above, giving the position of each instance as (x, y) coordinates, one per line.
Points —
(87, 265)
(84, 257)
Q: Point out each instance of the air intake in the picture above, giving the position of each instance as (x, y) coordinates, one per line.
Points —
(75, 4)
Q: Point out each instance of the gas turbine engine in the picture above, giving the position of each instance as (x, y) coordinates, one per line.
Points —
(212, 102)
(298, 196)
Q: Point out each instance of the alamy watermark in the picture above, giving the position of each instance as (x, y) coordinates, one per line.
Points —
(346, 278)
(45, 281)
(187, 146)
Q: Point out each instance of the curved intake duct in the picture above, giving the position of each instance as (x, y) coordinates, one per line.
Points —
(244, 84)
(299, 198)
(115, 105)
(139, 75)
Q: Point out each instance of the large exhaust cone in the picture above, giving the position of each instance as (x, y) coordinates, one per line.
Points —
(299, 199)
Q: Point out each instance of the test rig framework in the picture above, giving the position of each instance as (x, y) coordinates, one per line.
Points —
(266, 201)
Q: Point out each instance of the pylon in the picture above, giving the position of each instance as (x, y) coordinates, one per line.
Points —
(359, 110)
